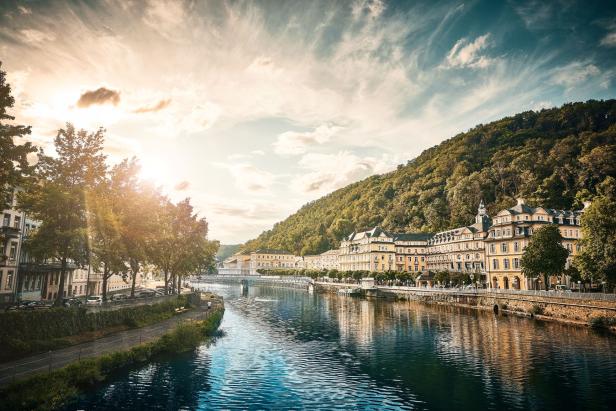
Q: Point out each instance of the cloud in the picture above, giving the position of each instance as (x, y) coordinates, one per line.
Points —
(33, 36)
(294, 142)
(467, 54)
(162, 104)
(24, 10)
(574, 73)
(164, 16)
(250, 178)
(328, 172)
(98, 97)
(182, 186)
(609, 40)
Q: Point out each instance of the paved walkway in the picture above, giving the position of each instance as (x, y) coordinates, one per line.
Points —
(119, 341)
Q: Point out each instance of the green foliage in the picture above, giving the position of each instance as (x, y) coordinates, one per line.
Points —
(554, 158)
(27, 332)
(597, 259)
(536, 309)
(227, 250)
(55, 389)
(13, 157)
(544, 254)
(602, 322)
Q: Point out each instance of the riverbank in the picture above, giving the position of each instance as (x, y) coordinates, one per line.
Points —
(55, 388)
(582, 312)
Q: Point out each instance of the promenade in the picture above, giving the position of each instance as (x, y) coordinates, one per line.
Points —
(120, 341)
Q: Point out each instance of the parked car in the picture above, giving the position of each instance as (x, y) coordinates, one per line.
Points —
(145, 294)
(94, 300)
(562, 288)
(37, 305)
(18, 305)
(72, 302)
(119, 297)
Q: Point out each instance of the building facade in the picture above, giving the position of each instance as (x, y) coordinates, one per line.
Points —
(411, 251)
(461, 249)
(270, 259)
(11, 235)
(372, 250)
(324, 261)
(511, 233)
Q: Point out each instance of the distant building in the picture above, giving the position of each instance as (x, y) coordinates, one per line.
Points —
(372, 250)
(237, 264)
(461, 249)
(270, 259)
(511, 233)
(324, 261)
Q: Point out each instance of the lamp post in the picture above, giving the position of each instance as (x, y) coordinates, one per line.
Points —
(579, 286)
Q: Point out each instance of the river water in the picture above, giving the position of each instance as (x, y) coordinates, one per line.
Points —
(287, 349)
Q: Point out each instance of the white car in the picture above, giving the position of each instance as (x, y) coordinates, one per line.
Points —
(94, 300)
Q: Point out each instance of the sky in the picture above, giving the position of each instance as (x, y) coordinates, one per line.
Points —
(254, 108)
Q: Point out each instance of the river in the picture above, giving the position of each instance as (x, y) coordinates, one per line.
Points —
(288, 349)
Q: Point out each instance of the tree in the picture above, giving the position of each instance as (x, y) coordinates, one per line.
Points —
(13, 157)
(136, 204)
(597, 258)
(57, 198)
(545, 255)
(106, 245)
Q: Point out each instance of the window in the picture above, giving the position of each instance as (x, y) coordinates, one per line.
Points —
(495, 264)
(13, 252)
(9, 280)
(506, 263)
(492, 248)
(516, 263)
(516, 246)
(504, 247)
(17, 222)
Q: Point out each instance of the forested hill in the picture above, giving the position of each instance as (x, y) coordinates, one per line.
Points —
(553, 158)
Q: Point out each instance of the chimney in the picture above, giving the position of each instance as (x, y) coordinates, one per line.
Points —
(521, 201)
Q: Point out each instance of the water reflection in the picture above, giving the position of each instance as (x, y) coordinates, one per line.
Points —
(285, 348)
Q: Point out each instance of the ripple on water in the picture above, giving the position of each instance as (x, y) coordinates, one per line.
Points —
(289, 349)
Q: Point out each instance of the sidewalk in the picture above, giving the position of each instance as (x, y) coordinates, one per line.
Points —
(119, 341)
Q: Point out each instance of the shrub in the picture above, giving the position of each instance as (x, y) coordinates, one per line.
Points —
(536, 309)
(602, 322)
(55, 389)
(27, 332)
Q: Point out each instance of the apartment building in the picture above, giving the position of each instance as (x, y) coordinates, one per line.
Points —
(324, 261)
(461, 249)
(372, 250)
(11, 230)
(237, 264)
(511, 233)
(270, 259)
(411, 251)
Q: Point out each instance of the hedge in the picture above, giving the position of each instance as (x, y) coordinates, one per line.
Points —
(27, 332)
(56, 389)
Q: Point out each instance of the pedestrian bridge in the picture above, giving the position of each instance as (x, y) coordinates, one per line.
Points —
(252, 279)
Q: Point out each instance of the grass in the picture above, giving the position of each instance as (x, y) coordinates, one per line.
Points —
(57, 388)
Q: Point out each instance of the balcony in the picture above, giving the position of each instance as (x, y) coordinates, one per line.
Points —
(9, 232)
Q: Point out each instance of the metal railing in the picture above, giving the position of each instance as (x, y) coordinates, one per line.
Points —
(535, 293)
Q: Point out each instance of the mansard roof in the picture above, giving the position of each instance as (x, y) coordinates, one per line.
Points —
(270, 251)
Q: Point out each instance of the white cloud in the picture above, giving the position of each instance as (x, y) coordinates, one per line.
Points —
(294, 142)
(328, 172)
(609, 40)
(574, 73)
(33, 36)
(466, 53)
(250, 178)
(164, 16)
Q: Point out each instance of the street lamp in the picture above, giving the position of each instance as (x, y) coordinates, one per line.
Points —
(579, 286)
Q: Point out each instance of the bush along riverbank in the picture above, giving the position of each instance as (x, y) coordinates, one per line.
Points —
(57, 388)
(24, 333)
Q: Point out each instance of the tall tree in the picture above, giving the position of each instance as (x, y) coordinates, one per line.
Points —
(57, 198)
(545, 255)
(13, 157)
(597, 259)
(106, 245)
(136, 204)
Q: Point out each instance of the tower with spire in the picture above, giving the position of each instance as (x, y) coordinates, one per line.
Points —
(482, 219)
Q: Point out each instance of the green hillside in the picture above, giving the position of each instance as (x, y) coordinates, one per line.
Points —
(554, 158)
(227, 250)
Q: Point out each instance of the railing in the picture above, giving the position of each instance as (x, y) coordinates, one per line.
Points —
(535, 293)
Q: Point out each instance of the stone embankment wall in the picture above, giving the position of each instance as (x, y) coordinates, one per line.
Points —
(563, 309)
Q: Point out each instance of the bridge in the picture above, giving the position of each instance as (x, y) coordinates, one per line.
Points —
(297, 282)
